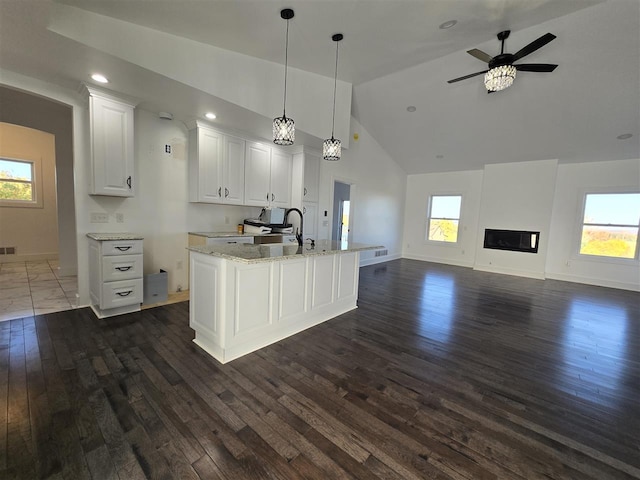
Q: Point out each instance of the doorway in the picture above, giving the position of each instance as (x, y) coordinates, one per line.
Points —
(342, 212)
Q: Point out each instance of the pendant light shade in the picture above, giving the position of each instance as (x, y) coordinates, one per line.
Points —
(331, 147)
(284, 130)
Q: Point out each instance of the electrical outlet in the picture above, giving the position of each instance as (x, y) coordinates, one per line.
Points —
(167, 149)
(325, 223)
(119, 217)
(99, 217)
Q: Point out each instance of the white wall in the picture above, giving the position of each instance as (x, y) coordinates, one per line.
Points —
(377, 195)
(563, 260)
(516, 196)
(419, 189)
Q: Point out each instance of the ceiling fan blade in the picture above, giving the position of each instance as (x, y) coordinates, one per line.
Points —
(480, 55)
(467, 76)
(533, 46)
(536, 67)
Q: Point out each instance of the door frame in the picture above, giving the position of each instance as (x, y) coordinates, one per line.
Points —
(352, 200)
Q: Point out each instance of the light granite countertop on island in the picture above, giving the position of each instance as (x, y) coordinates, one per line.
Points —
(247, 253)
(104, 237)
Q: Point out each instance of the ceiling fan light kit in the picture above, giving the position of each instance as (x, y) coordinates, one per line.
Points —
(499, 78)
(502, 72)
(284, 130)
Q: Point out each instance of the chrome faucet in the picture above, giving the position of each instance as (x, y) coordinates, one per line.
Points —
(300, 232)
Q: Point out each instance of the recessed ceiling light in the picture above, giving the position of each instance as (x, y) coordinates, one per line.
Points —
(439, 156)
(624, 136)
(210, 116)
(98, 77)
(411, 108)
(447, 24)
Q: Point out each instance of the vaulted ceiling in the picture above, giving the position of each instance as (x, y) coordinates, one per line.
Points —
(394, 55)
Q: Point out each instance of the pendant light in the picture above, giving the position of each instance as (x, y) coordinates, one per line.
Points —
(331, 147)
(284, 130)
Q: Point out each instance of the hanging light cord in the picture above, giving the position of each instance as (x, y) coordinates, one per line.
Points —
(286, 58)
(335, 82)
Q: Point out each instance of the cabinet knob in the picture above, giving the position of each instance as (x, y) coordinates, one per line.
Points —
(129, 182)
(123, 249)
(305, 191)
(226, 192)
(304, 210)
(124, 294)
(219, 191)
(123, 269)
(273, 197)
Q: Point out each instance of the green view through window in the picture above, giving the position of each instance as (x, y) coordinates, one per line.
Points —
(16, 181)
(610, 225)
(444, 217)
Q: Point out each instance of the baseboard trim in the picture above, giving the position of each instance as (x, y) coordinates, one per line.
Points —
(376, 260)
(598, 282)
(425, 258)
(34, 257)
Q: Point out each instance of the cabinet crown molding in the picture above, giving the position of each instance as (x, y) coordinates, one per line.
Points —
(86, 90)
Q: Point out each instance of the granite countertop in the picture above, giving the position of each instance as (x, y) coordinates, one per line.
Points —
(101, 237)
(247, 253)
(235, 234)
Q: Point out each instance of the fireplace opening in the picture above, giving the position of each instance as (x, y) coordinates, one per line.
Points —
(513, 240)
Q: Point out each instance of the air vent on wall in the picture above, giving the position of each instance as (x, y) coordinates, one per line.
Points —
(7, 250)
(381, 253)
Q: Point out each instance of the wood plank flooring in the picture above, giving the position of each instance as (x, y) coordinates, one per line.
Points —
(441, 373)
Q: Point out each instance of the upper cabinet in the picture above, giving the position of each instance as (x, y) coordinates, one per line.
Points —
(268, 176)
(311, 177)
(216, 166)
(111, 137)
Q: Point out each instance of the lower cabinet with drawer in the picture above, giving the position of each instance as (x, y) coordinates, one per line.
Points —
(115, 274)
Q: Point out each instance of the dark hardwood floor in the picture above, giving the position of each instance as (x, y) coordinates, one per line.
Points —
(442, 372)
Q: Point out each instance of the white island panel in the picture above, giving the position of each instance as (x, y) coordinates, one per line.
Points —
(293, 290)
(245, 297)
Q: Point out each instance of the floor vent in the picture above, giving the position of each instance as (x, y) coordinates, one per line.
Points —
(7, 250)
(381, 253)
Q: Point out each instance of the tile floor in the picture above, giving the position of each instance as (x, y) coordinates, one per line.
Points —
(34, 288)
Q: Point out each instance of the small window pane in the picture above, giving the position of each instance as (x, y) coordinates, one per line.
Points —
(443, 230)
(618, 242)
(11, 169)
(445, 206)
(612, 208)
(18, 191)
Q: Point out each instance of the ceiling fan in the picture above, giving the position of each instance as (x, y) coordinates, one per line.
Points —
(502, 71)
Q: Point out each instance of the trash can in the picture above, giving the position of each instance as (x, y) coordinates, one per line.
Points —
(155, 287)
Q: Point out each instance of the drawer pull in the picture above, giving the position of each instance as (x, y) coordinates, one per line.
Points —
(123, 269)
(232, 242)
(124, 294)
(123, 249)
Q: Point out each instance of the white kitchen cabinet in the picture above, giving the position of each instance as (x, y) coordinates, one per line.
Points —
(310, 212)
(311, 177)
(111, 143)
(281, 171)
(268, 175)
(216, 166)
(115, 275)
(233, 170)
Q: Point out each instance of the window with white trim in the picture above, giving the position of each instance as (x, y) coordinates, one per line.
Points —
(443, 218)
(18, 183)
(610, 225)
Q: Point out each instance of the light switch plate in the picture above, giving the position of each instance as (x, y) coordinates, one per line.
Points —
(97, 217)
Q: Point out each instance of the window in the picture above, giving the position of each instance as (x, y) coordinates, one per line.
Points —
(610, 225)
(17, 183)
(444, 217)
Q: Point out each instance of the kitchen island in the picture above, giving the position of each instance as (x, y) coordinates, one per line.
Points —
(245, 297)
